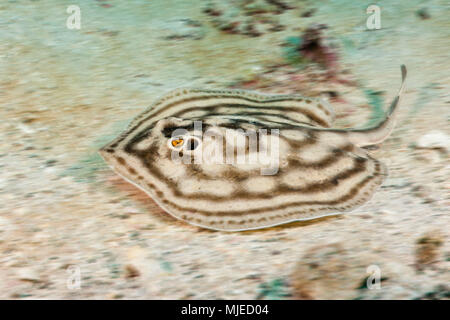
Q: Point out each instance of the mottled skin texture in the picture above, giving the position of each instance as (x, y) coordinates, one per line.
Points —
(319, 170)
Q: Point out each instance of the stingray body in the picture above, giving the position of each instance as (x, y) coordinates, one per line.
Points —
(316, 170)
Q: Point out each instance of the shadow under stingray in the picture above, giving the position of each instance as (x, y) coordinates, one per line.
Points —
(295, 224)
(152, 207)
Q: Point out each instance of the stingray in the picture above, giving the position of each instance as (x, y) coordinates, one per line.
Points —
(238, 160)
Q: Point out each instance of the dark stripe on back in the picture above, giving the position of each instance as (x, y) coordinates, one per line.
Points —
(237, 96)
(148, 156)
(310, 115)
(352, 193)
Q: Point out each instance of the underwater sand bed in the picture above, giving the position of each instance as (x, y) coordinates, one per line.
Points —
(65, 93)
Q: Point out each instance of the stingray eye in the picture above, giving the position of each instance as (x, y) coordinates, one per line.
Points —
(176, 143)
(186, 143)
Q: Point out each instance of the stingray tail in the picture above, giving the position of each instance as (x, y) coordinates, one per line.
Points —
(379, 132)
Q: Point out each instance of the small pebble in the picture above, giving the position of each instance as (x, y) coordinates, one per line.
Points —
(434, 140)
(27, 274)
(427, 249)
(423, 13)
(131, 271)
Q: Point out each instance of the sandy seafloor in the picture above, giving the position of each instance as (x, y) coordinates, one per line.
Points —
(64, 93)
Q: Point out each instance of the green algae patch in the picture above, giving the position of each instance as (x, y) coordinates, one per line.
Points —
(273, 290)
(291, 53)
(375, 100)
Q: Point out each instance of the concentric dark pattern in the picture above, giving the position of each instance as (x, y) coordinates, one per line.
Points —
(320, 169)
